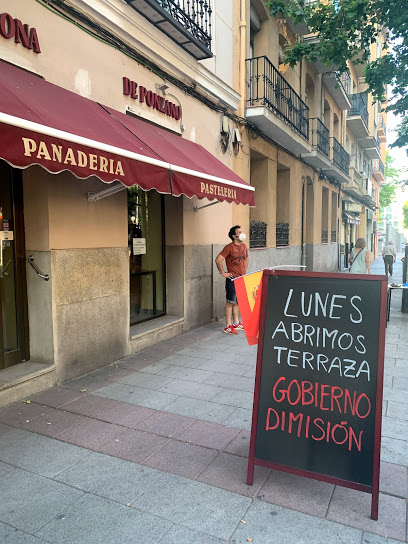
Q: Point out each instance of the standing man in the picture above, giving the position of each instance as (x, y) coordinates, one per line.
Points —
(390, 256)
(235, 255)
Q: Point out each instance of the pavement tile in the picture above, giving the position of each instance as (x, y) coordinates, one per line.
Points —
(369, 538)
(154, 368)
(397, 410)
(182, 373)
(136, 395)
(395, 395)
(297, 493)
(209, 435)
(394, 480)
(401, 362)
(165, 424)
(89, 405)
(182, 535)
(182, 459)
(240, 383)
(18, 413)
(28, 501)
(354, 508)
(269, 524)
(240, 444)
(195, 505)
(53, 422)
(56, 396)
(40, 454)
(10, 535)
(127, 415)
(109, 477)
(184, 360)
(91, 434)
(250, 373)
(145, 380)
(86, 383)
(134, 446)
(394, 451)
(110, 372)
(229, 472)
(193, 351)
(4, 468)
(4, 428)
(192, 390)
(224, 368)
(397, 371)
(240, 399)
(240, 418)
(92, 520)
(199, 409)
(394, 428)
(138, 362)
(401, 383)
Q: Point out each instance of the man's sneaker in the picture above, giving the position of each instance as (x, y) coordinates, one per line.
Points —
(239, 327)
(230, 330)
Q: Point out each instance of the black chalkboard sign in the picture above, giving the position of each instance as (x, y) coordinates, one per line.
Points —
(319, 378)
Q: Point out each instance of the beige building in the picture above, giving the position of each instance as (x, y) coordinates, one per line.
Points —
(134, 134)
(127, 91)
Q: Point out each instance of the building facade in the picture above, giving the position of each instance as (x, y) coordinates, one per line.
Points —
(134, 93)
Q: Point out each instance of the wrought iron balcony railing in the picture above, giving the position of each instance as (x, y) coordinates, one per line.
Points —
(378, 166)
(282, 234)
(320, 136)
(359, 106)
(257, 234)
(187, 22)
(340, 156)
(378, 143)
(381, 123)
(345, 81)
(268, 88)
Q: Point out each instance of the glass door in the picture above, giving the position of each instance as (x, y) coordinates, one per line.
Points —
(146, 254)
(13, 305)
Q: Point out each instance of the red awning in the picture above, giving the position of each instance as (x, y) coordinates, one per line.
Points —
(44, 124)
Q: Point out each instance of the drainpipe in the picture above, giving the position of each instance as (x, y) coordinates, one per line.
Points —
(242, 32)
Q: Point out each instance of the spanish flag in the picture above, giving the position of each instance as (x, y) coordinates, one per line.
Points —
(248, 289)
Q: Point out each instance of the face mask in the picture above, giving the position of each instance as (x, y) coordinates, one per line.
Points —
(242, 237)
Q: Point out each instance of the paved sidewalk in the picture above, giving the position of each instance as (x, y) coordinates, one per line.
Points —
(153, 449)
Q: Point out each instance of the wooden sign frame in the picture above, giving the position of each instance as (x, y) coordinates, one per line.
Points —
(252, 460)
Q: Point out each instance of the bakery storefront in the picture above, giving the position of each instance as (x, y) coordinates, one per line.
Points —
(103, 251)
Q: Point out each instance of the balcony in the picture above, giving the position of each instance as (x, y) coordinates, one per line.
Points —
(382, 128)
(299, 28)
(187, 22)
(319, 138)
(357, 115)
(371, 146)
(275, 108)
(340, 160)
(321, 67)
(368, 195)
(355, 186)
(339, 87)
(378, 170)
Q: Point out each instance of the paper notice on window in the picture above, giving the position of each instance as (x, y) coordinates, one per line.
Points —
(139, 246)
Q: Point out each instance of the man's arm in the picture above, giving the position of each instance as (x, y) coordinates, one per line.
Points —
(219, 262)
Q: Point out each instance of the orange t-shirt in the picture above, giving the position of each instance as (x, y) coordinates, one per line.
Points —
(236, 257)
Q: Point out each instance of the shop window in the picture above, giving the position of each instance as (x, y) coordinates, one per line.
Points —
(146, 254)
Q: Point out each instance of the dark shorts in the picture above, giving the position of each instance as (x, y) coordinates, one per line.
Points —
(230, 291)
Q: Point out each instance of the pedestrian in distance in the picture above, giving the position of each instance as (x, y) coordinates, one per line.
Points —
(390, 256)
(235, 255)
(359, 258)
